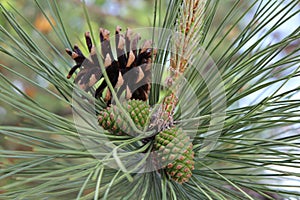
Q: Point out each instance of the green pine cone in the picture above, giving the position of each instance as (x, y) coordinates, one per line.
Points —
(139, 112)
(107, 119)
(175, 153)
(113, 120)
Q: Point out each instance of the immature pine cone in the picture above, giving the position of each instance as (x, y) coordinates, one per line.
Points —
(113, 120)
(175, 153)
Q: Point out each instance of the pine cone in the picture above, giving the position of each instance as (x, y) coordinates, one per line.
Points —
(130, 73)
(175, 152)
(139, 112)
(107, 119)
(113, 120)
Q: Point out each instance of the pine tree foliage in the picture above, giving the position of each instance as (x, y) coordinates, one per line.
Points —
(256, 155)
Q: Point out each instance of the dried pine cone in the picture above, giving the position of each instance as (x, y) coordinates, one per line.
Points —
(129, 73)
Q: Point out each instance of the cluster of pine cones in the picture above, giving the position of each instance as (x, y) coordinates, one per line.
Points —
(173, 149)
